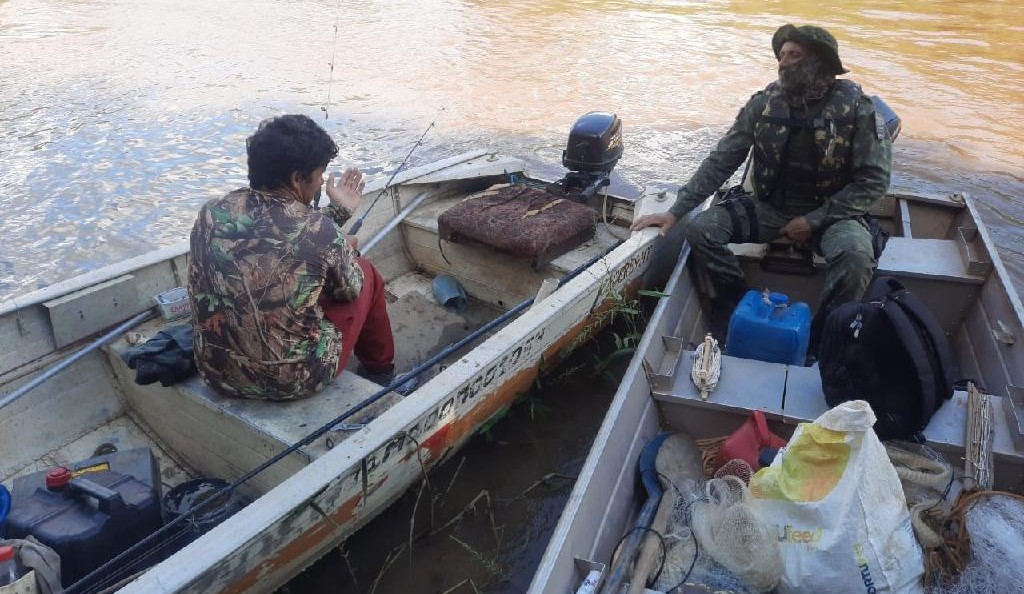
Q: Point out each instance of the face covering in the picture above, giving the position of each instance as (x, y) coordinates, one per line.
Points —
(804, 81)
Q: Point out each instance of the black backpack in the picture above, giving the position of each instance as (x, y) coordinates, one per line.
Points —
(889, 350)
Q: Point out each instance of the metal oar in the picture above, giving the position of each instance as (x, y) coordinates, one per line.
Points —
(49, 373)
(394, 222)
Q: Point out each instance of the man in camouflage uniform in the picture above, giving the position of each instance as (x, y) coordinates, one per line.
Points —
(821, 158)
(279, 298)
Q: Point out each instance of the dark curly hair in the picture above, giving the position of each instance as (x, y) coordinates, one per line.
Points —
(285, 144)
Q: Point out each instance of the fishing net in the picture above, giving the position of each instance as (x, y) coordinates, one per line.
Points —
(737, 468)
(716, 538)
(685, 562)
(985, 538)
(727, 525)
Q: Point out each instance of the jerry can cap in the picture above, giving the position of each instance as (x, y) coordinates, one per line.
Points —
(58, 477)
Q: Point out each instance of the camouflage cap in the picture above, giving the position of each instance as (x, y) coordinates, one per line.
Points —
(815, 38)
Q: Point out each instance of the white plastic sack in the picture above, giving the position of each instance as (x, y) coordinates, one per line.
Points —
(839, 510)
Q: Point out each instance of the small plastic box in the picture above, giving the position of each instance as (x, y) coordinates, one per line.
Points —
(173, 304)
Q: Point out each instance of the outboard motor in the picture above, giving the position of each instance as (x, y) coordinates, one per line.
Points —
(892, 121)
(593, 149)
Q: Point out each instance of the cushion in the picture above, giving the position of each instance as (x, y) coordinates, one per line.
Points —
(521, 221)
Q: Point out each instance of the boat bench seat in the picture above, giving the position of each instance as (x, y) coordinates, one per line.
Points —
(288, 422)
(227, 437)
(790, 395)
(931, 259)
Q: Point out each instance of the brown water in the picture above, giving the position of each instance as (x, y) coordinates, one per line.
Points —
(485, 517)
(118, 119)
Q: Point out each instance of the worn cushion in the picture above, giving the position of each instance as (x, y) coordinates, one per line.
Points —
(519, 220)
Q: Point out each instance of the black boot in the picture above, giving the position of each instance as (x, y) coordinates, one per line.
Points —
(381, 378)
(386, 378)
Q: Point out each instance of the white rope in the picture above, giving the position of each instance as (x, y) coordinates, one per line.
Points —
(927, 472)
(707, 366)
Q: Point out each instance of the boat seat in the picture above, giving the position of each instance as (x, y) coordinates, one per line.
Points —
(805, 401)
(932, 259)
(290, 421)
(227, 437)
(519, 220)
(744, 385)
(788, 395)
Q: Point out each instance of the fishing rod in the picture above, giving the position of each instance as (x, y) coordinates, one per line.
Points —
(359, 222)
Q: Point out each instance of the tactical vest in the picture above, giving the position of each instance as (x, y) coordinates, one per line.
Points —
(818, 167)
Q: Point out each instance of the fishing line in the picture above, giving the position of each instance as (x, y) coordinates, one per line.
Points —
(359, 222)
(334, 53)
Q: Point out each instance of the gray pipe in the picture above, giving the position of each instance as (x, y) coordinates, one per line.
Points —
(49, 373)
(393, 223)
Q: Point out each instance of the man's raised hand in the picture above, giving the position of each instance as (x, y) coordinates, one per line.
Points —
(347, 189)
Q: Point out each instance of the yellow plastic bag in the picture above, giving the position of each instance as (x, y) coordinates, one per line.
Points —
(839, 509)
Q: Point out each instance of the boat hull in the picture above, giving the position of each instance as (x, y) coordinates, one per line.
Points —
(278, 535)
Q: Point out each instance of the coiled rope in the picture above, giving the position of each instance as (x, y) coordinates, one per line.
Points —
(707, 366)
(927, 472)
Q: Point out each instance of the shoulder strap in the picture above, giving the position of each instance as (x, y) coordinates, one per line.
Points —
(914, 308)
(881, 287)
(919, 357)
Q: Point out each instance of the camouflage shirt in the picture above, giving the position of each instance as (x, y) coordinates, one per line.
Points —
(847, 155)
(259, 265)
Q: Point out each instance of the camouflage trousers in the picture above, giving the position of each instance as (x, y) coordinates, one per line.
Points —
(845, 245)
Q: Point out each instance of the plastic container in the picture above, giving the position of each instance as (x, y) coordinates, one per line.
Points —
(767, 327)
(747, 442)
(450, 293)
(90, 512)
(10, 572)
(173, 304)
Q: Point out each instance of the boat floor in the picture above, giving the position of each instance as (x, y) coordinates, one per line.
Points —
(226, 437)
(123, 433)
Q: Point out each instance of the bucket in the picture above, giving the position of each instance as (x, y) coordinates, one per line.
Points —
(450, 293)
(748, 442)
(186, 496)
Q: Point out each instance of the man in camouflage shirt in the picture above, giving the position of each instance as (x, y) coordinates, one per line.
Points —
(279, 298)
(821, 157)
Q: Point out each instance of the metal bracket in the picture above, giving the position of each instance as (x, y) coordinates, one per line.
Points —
(661, 383)
(1003, 334)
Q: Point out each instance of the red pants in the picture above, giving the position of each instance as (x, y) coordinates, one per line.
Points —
(364, 324)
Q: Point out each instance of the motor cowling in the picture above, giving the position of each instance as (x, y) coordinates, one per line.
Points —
(593, 149)
(892, 121)
(595, 143)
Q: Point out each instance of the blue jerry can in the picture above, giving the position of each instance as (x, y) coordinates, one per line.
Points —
(767, 327)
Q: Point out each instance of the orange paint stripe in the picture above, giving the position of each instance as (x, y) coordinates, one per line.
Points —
(296, 548)
(436, 444)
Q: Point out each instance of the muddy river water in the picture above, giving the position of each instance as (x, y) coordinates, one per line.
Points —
(119, 118)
